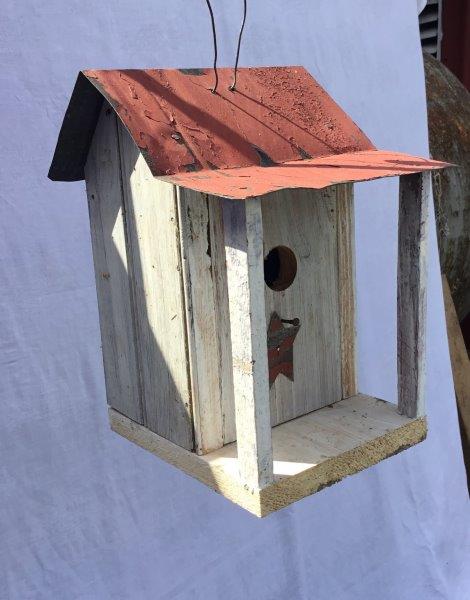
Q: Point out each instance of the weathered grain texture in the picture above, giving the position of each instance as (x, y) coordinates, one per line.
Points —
(223, 317)
(461, 372)
(155, 268)
(189, 462)
(207, 318)
(110, 261)
(308, 440)
(200, 299)
(243, 232)
(411, 297)
(310, 452)
(346, 287)
(290, 489)
(305, 222)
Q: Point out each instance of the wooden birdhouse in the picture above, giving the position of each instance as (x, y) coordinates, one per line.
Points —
(222, 228)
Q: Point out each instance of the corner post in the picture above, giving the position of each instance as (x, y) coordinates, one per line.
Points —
(243, 233)
(347, 286)
(411, 292)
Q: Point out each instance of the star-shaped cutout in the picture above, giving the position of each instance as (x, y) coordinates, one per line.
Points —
(280, 347)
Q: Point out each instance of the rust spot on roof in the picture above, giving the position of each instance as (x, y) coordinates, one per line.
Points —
(278, 129)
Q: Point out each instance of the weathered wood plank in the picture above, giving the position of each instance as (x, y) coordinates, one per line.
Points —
(310, 452)
(189, 462)
(346, 286)
(223, 318)
(155, 269)
(201, 320)
(103, 177)
(243, 229)
(208, 321)
(324, 433)
(411, 296)
(305, 221)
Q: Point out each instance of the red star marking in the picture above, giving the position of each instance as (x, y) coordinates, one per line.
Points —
(280, 347)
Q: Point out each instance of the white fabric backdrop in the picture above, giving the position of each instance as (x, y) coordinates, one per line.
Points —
(85, 514)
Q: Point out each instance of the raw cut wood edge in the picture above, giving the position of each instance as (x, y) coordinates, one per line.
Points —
(331, 471)
(286, 490)
(186, 461)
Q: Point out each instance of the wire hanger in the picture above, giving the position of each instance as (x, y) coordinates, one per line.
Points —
(214, 37)
(233, 85)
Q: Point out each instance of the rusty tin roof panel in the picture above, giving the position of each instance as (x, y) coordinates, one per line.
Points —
(278, 129)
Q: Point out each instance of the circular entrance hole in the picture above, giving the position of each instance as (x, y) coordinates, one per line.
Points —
(280, 268)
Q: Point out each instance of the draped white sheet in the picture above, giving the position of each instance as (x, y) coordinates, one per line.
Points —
(83, 513)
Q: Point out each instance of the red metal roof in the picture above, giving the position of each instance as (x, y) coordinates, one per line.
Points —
(279, 129)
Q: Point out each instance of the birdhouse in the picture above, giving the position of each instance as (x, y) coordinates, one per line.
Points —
(222, 228)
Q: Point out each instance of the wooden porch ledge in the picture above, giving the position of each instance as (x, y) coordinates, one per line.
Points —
(310, 452)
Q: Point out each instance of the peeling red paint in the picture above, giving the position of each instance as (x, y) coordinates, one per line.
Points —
(278, 112)
(279, 129)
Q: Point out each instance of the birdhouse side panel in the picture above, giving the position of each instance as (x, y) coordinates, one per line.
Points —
(103, 183)
(155, 268)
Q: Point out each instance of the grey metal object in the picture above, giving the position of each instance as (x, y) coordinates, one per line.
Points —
(430, 28)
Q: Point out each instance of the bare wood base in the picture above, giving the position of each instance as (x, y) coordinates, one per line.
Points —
(310, 453)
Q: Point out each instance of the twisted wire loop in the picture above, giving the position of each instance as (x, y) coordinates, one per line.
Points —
(214, 36)
(233, 86)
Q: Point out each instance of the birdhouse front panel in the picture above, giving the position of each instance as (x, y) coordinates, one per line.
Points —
(222, 228)
(300, 246)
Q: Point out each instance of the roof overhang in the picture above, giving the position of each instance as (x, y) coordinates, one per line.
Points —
(315, 173)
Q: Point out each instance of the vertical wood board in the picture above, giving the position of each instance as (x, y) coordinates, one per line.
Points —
(223, 317)
(155, 267)
(243, 229)
(103, 177)
(207, 319)
(305, 221)
(411, 292)
(346, 287)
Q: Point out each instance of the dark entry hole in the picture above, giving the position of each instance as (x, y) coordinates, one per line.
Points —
(280, 268)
